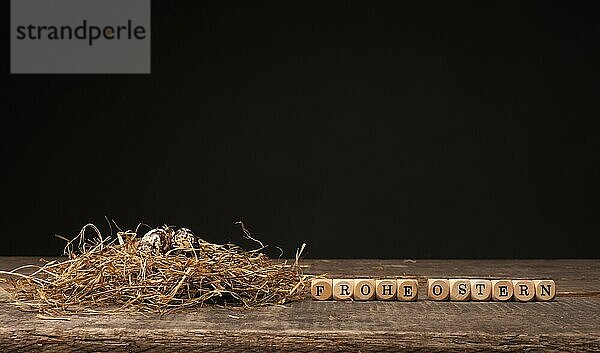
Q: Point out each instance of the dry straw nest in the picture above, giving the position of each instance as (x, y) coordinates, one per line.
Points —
(162, 271)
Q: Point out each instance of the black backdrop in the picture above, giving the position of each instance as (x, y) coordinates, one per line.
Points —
(418, 130)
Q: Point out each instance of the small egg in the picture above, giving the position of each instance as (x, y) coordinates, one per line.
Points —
(156, 241)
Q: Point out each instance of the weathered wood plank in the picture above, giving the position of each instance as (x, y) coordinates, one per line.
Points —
(571, 323)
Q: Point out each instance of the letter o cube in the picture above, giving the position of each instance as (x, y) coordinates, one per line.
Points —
(438, 289)
(364, 289)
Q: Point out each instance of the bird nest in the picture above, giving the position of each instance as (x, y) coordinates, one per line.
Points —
(163, 271)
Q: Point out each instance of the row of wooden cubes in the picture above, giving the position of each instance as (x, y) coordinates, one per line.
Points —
(407, 289)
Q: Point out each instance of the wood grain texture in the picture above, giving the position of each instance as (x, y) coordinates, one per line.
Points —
(570, 323)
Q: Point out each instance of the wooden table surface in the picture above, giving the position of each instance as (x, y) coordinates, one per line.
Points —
(570, 323)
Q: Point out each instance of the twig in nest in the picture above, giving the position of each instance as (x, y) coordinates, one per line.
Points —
(248, 236)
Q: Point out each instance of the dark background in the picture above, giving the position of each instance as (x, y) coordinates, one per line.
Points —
(413, 130)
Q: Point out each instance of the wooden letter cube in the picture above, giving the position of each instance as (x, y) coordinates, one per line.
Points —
(343, 289)
(364, 289)
(408, 289)
(524, 290)
(502, 290)
(545, 289)
(481, 289)
(385, 289)
(321, 288)
(460, 289)
(438, 289)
